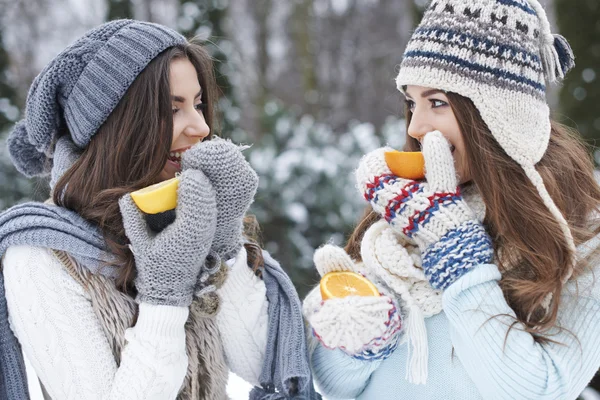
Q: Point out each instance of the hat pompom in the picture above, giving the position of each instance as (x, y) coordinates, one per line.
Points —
(557, 57)
(25, 156)
(565, 54)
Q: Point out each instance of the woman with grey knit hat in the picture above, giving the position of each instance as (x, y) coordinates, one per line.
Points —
(106, 301)
(488, 266)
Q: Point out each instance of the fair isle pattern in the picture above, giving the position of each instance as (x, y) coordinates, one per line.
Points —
(499, 54)
(459, 250)
(382, 347)
(400, 204)
(378, 348)
(412, 209)
(486, 42)
(354, 324)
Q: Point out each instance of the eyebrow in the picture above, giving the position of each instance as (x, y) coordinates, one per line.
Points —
(180, 99)
(426, 93)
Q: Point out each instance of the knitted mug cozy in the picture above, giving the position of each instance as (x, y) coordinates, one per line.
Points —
(499, 54)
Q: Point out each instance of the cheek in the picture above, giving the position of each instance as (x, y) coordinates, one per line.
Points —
(176, 132)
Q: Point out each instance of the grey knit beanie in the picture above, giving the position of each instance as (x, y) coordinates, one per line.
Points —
(81, 86)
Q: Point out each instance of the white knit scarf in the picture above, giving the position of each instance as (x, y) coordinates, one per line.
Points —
(393, 262)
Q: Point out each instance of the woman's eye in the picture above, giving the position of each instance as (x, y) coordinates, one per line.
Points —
(175, 110)
(410, 104)
(201, 107)
(438, 103)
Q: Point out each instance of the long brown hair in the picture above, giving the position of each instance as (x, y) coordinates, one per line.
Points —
(130, 150)
(529, 245)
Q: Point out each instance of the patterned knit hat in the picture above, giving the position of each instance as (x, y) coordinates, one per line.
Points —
(499, 54)
(81, 86)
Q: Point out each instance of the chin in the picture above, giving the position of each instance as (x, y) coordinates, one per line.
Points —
(166, 174)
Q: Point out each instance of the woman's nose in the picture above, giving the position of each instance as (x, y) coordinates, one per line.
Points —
(419, 126)
(197, 127)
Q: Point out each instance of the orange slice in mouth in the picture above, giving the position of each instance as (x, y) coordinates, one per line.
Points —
(157, 198)
(406, 164)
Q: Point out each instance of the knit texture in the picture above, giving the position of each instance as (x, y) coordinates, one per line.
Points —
(243, 320)
(206, 375)
(432, 213)
(81, 86)
(168, 264)
(286, 372)
(365, 327)
(500, 54)
(235, 183)
(46, 226)
(53, 317)
(392, 262)
(468, 354)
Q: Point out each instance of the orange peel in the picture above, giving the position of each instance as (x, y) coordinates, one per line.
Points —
(157, 198)
(406, 164)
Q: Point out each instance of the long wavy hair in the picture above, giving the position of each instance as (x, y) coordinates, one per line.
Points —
(530, 248)
(130, 150)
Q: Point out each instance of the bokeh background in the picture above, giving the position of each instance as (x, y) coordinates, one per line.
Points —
(309, 83)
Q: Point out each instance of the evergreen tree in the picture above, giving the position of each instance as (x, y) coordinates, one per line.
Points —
(307, 195)
(205, 20)
(13, 187)
(579, 22)
(8, 95)
(118, 9)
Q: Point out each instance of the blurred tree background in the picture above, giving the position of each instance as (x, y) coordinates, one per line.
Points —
(310, 83)
(579, 22)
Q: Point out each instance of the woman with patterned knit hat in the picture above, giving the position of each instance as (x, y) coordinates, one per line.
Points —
(488, 267)
(106, 301)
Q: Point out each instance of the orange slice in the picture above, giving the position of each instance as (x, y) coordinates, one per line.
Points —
(345, 283)
(406, 164)
(157, 198)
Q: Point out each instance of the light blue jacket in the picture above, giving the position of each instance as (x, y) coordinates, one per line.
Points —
(471, 356)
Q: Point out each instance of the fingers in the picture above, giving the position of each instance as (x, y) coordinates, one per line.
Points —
(439, 163)
(208, 153)
(378, 185)
(196, 203)
(331, 258)
(371, 165)
(191, 159)
(351, 322)
(224, 164)
(133, 221)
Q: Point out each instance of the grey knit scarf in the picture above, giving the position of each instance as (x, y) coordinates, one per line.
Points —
(285, 373)
(42, 225)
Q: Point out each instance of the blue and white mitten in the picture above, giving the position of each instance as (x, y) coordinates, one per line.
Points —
(432, 212)
(365, 327)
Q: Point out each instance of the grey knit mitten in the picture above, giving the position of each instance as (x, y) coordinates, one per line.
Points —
(168, 263)
(235, 184)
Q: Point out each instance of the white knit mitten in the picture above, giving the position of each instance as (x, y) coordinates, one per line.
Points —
(365, 327)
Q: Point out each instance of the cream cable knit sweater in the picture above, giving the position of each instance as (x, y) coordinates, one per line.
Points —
(52, 316)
